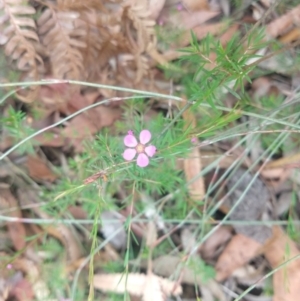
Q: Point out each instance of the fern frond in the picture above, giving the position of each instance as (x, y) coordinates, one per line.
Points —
(143, 39)
(102, 43)
(79, 5)
(62, 34)
(19, 37)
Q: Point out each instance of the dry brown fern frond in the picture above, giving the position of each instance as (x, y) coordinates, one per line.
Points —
(62, 34)
(140, 32)
(103, 40)
(18, 34)
(80, 5)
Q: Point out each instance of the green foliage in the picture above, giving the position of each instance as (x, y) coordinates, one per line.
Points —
(14, 123)
(231, 66)
(292, 228)
(201, 269)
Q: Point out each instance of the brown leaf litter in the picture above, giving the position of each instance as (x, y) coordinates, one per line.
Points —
(39, 170)
(192, 164)
(16, 230)
(63, 233)
(151, 287)
(116, 44)
(255, 240)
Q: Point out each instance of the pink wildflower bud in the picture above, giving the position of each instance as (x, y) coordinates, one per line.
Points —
(194, 140)
(179, 6)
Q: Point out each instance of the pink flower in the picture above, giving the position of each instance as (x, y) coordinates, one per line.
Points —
(161, 22)
(179, 6)
(140, 148)
(194, 140)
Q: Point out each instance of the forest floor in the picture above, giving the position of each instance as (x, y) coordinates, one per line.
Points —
(150, 150)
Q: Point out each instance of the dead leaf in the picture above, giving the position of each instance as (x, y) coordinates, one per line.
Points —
(78, 212)
(155, 7)
(291, 36)
(89, 123)
(192, 168)
(22, 290)
(55, 96)
(16, 230)
(284, 23)
(192, 164)
(286, 280)
(61, 232)
(50, 138)
(134, 284)
(38, 169)
(272, 173)
(166, 265)
(188, 240)
(193, 5)
(228, 34)
(6, 141)
(67, 238)
(112, 222)
(223, 5)
(77, 101)
(191, 20)
(239, 251)
(29, 268)
(152, 290)
(252, 204)
(4, 289)
(215, 241)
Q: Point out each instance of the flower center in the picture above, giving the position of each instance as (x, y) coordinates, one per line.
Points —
(140, 148)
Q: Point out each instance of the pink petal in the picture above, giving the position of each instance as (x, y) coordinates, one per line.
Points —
(129, 154)
(150, 150)
(130, 141)
(142, 160)
(145, 136)
(179, 6)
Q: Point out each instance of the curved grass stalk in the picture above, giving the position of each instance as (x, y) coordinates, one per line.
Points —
(88, 84)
